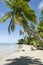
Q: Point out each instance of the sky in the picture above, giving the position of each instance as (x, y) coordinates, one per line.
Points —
(5, 37)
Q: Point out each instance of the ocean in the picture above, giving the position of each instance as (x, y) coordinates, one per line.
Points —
(6, 49)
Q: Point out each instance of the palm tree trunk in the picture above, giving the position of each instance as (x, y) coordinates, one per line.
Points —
(33, 33)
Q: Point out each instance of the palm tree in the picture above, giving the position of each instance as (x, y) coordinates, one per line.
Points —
(20, 13)
(21, 41)
(40, 26)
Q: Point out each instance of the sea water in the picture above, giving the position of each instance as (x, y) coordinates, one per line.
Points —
(6, 49)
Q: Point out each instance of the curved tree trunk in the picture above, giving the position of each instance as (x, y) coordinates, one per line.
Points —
(33, 33)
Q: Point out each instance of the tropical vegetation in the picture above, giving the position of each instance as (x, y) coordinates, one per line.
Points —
(22, 14)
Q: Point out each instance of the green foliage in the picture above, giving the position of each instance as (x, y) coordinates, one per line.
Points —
(32, 26)
(28, 12)
(38, 43)
(41, 34)
(21, 32)
(21, 41)
(22, 14)
(11, 26)
(27, 0)
(20, 11)
(40, 29)
(26, 40)
(6, 16)
(40, 26)
(29, 40)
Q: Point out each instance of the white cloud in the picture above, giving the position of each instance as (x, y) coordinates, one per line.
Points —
(40, 5)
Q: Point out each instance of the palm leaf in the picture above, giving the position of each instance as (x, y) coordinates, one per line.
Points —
(27, 0)
(41, 34)
(6, 16)
(40, 26)
(21, 32)
(28, 12)
(11, 26)
(10, 3)
(23, 21)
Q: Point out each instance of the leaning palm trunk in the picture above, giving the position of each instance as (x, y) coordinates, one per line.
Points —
(33, 33)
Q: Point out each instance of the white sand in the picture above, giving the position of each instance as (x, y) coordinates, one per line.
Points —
(22, 57)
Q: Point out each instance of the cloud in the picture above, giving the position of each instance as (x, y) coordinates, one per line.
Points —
(40, 5)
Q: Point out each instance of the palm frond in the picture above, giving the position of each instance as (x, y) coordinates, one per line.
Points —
(11, 26)
(23, 21)
(21, 32)
(41, 34)
(40, 25)
(10, 3)
(29, 13)
(27, 0)
(6, 16)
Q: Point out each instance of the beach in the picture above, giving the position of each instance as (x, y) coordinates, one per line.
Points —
(24, 56)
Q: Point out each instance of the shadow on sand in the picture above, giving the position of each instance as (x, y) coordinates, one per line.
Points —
(23, 61)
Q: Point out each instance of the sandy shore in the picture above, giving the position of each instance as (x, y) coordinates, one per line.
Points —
(25, 56)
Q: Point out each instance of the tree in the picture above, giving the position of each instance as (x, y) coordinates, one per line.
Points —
(40, 26)
(40, 29)
(20, 13)
(21, 41)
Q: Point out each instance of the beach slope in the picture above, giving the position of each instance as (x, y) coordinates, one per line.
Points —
(25, 56)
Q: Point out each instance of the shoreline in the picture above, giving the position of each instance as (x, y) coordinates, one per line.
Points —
(8, 49)
(24, 52)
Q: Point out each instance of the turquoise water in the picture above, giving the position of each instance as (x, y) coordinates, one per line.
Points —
(6, 49)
